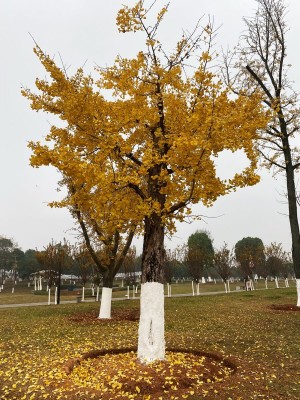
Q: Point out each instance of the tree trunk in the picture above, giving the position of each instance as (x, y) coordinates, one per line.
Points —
(225, 284)
(286, 282)
(55, 296)
(105, 305)
(59, 284)
(298, 292)
(292, 203)
(151, 342)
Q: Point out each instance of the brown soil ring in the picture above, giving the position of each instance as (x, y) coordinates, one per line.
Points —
(284, 307)
(70, 364)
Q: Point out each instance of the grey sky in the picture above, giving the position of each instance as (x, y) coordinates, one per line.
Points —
(84, 32)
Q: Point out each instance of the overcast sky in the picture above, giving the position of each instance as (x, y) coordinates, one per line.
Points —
(84, 32)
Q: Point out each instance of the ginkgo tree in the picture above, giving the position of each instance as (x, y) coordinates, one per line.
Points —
(148, 132)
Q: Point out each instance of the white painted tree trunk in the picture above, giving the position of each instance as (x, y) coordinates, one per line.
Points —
(34, 283)
(266, 283)
(151, 342)
(298, 292)
(128, 293)
(97, 293)
(83, 293)
(93, 290)
(105, 306)
(276, 282)
(133, 292)
(13, 290)
(228, 286)
(49, 296)
(40, 284)
(251, 285)
(286, 282)
(193, 290)
(55, 295)
(198, 288)
(225, 284)
(169, 290)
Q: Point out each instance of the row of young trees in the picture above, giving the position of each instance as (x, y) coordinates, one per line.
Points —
(55, 259)
(248, 259)
(134, 161)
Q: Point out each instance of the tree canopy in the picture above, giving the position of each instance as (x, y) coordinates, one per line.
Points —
(249, 252)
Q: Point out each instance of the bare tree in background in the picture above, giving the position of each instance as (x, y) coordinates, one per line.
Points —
(223, 262)
(261, 62)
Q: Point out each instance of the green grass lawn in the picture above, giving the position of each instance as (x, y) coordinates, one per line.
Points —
(24, 294)
(36, 342)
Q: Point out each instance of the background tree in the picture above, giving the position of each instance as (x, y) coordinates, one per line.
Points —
(53, 259)
(249, 253)
(276, 258)
(171, 263)
(84, 265)
(28, 264)
(6, 256)
(108, 250)
(199, 255)
(152, 141)
(223, 261)
(262, 270)
(263, 63)
(129, 267)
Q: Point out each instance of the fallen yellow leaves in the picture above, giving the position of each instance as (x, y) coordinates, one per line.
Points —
(35, 344)
(123, 376)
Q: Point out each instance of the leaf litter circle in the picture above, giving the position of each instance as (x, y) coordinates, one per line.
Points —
(118, 374)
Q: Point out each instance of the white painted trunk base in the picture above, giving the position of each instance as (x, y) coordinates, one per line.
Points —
(286, 282)
(151, 341)
(83, 293)
(266, 283)
(276, 283)
(228, 287)
(49, 296)
(55, 295)
(298, 292)
(105, 306)
(169, 287)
